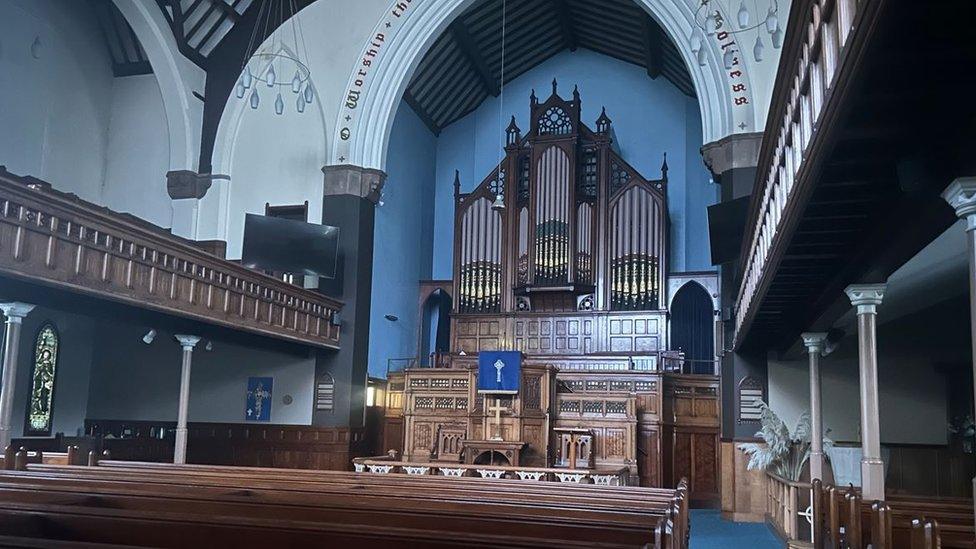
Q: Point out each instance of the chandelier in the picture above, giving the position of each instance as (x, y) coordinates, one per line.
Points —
(711, 22)
(267, 72)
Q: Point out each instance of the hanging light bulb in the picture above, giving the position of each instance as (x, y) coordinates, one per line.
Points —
(499, 203)
(777, 37)
(279, 105)
(270, 77)
(728, 57)
(308, 93)
(296, 83)
(772, 21)
(246, 78)
(255, 100)
(743, 15)
(757, 50)
(711, 24)
(701, 57)
(240, 89)
(300, 103)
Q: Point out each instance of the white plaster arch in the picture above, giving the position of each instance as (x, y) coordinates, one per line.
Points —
(177, 77)
(235, 109)
(408, 28)
(228, 133)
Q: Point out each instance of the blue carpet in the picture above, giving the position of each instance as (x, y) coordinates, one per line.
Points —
(710, 531)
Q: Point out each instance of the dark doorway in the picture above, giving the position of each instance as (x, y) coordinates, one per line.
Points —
(692, 327)
(435, 330)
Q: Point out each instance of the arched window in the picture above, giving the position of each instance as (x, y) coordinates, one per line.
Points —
(40, 406)
(325, 393)
(693, 326)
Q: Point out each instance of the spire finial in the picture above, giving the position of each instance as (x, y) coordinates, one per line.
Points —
(457, 183)
(664, 167)
(532, 98)
(576, 93)
(554, 86)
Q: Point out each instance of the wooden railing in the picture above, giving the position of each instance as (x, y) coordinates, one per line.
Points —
(55, 239)
(785, 500)
(813, 68)
(386, 465)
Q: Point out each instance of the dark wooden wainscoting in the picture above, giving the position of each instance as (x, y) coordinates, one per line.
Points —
(248, 445)
(925, 470)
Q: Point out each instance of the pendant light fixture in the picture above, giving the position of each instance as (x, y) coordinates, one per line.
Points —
(710, 21)
(286, 54)
(499, 202)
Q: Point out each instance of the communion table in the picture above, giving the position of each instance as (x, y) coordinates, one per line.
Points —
(510, 450)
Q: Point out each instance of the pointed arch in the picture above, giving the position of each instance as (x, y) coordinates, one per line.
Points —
(692, 325)
(402, 36)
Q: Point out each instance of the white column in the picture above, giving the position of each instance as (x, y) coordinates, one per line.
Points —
(961, 195)
(188, 342)
(15, 313)
(814, 342)
(867, 297)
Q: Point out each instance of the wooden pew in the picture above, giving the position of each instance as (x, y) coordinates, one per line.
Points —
(426, 513)
(842, 520)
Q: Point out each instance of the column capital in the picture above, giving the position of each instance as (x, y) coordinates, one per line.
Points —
(346, 179)
(739, 150)
(187, 341)
(961, 195)
(16, 311)
(814, 341)
(866, 297)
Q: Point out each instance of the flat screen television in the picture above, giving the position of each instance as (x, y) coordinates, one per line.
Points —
(288, 246)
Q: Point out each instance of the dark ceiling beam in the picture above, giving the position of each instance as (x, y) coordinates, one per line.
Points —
(471, 50)
(176, 24)
(421, 113)
(653, 56)
(565, 15)
(228, 10)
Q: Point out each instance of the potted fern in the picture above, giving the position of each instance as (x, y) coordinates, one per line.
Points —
(783, 451)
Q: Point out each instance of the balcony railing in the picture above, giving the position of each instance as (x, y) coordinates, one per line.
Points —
(813, 66)
(57, 240)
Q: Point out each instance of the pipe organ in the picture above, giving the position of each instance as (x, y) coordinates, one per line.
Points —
(563, 223)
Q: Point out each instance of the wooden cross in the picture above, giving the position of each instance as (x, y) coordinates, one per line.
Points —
(497, 408)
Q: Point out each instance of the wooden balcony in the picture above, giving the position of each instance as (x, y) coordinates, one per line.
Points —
(55, 239)
(812, 72)
(853, 159)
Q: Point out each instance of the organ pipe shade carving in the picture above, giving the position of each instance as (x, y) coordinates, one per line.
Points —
(480, 276)
(552, 217)
(635, 251)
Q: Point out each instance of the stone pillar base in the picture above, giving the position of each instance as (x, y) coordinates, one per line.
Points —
(179, 449)
(872, 479)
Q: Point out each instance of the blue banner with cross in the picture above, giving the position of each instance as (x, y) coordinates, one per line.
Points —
(499, 372)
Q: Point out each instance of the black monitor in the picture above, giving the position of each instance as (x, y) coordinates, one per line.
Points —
(726, 226)
(288, 246)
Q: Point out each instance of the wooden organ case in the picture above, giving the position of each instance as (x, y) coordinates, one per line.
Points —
(561, 253)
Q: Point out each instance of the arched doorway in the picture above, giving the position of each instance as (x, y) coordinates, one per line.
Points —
(693, 327)
(435, 326)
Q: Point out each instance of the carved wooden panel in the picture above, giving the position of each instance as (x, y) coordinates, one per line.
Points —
(648, 455)
(477, 334)
(635, 335)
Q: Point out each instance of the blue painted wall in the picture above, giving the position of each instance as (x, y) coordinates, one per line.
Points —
(415, 226)
(403, 240)
(650, 117)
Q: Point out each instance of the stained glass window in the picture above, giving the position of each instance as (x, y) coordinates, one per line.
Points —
(39, 408)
